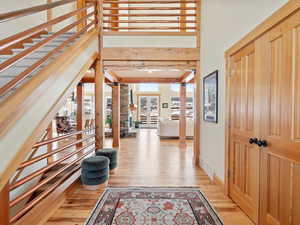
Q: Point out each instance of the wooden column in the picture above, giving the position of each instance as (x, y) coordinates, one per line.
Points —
(197, 115)
(80, 111)
(81, 4)
(116, 114)
(99, 119)
(4, 205)
(182, 116)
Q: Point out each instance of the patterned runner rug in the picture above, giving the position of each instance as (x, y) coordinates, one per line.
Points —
(153, 206)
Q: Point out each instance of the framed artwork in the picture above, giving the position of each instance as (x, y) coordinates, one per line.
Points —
(165, 105)
(210, 97)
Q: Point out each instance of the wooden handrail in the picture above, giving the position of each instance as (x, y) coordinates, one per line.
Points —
(44, 194)
(49, 166)
(147, 14)
(147, 2)
(7, 42)
(32, 10)
(55, 151)
(150, 8)
(149, 21)
(146, 28)
(46, 180)
(13, 60)
(49, 141)
(14, 82)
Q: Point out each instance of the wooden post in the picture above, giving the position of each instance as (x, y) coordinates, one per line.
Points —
(114, 18)
(80, 111)
(49, 16)
(50, 145)
(116, 114)
(182, 117)
(182, 18)
(99, 88)
(4, 205)
(81, 4)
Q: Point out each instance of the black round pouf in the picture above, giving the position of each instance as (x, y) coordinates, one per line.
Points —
(95, 163)
(95, 174)
(113, 166)
(110, 153)
(93, 181)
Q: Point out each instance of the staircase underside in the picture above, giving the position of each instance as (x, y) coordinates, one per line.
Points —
(26, 113)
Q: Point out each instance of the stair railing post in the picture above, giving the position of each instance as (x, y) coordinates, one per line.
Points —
(4, 205)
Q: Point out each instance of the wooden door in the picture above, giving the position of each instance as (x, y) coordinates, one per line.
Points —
(244, 157)
(279, 64)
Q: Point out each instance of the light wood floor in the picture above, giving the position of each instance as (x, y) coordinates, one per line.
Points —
(149, 161)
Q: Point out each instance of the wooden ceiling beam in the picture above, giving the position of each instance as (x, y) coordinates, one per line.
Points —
(185, 76)
(149, 54)
(130, 65)
(114, 76)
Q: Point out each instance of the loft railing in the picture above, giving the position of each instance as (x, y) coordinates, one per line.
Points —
(82, 18)
(67, 156)
(178, 17)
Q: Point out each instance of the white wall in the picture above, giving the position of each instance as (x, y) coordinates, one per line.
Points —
(222, 24)
(15, 26)
(150, 41)
(18, 25)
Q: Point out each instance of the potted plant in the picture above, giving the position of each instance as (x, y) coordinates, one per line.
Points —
(137, 124)
(108, 121)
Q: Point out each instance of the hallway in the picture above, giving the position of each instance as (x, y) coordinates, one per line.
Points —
(149, 161)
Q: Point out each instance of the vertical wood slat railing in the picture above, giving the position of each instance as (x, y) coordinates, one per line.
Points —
(17, 40)
(173, 16)
(69, 162)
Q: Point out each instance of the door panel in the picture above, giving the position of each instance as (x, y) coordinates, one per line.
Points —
(280, 98)
(148, 111)
(244, 157)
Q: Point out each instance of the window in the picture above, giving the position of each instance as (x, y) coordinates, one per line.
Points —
(175, 108)
(148, 87)
(176, 87)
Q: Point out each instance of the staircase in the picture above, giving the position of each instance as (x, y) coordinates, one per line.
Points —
(10, 73)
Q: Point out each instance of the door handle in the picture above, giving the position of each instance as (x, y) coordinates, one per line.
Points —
(253, 141)
(262, 143)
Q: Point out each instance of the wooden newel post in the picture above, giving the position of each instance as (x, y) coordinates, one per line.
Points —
(99, 118)
(182, 117)
(80, 111)
(4, 205)
(116, 114)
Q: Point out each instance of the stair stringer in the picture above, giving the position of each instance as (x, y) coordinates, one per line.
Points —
(26, 113)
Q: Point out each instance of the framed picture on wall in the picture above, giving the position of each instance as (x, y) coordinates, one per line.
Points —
(210, 97)
(165, 105)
